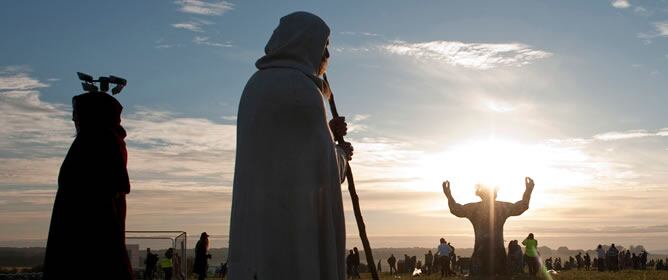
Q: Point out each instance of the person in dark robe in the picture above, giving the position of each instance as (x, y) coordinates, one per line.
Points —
(90, 204)
(488, 217)
(378, 267)
(587, 261)
(202, 256)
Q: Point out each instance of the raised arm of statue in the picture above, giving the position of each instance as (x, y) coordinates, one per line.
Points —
(455, 208)
(519, 207)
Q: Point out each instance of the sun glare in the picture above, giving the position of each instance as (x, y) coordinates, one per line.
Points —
(500, 164)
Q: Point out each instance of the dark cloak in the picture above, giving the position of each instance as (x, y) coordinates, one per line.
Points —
(87, 232)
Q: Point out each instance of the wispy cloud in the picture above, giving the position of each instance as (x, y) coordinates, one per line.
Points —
(630, 134)
(203, 40)
(470, 55)
(192, 26)
(660, 30)
(621, 4)
(353, 33)
(208, 8)
(195, 25)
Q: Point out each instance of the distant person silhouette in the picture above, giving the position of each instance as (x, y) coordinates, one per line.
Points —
(444, 258)
(488, 217)
(531, 254)
(378, 267)
(167, 265)
(613, 258)
(356, 263)
(643, 260)
(150, 264)
(515, 257)
(587, 261)
(407, 264)
(579, 260)
(287, 181)
(90, 204)
(392, 262)
(429, 262)
(202, 256)
(600, 258)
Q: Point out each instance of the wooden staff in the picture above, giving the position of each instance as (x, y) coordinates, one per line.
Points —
(353, 193)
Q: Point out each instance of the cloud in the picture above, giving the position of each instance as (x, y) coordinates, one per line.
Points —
(192, 26)
(630, 134)
(621, 4)
(660, 30)
(640, 10)
(208, 8)
(19, 81)
(352, 33)
(202, 40)
(479, 56)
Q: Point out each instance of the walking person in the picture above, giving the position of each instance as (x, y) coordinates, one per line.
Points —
(288, 167)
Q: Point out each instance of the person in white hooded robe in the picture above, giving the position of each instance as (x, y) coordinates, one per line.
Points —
(287, 218)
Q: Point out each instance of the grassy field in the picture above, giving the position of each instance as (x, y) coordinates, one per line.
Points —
(573, 274)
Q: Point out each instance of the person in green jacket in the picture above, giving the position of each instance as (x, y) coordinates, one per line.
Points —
(531, 254)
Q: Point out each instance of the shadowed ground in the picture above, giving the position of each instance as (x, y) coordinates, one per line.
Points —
(622, 275)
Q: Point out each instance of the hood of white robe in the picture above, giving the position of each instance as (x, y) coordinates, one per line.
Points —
(298, 42)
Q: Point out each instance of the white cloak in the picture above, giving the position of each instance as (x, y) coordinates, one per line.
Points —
(287, 214)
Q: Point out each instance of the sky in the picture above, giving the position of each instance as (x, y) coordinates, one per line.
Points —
(570, 93)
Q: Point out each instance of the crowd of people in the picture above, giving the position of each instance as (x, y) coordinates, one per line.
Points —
(171, 265)
(444, 261)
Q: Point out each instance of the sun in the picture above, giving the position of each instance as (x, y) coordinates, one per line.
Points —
(495, 163)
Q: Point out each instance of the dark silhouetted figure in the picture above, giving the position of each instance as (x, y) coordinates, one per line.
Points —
(643, 260)
(579, 260)
(613, 258)
(444, 258)
(90, 202)
(356, 263)
(600, 258)
(201, 264)
(515, 256)
(429, 262)
(488, 217)
(378, 267)
(349, 264)
(407, 264)
(150, 263)
(587, 261)
(392, 262)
